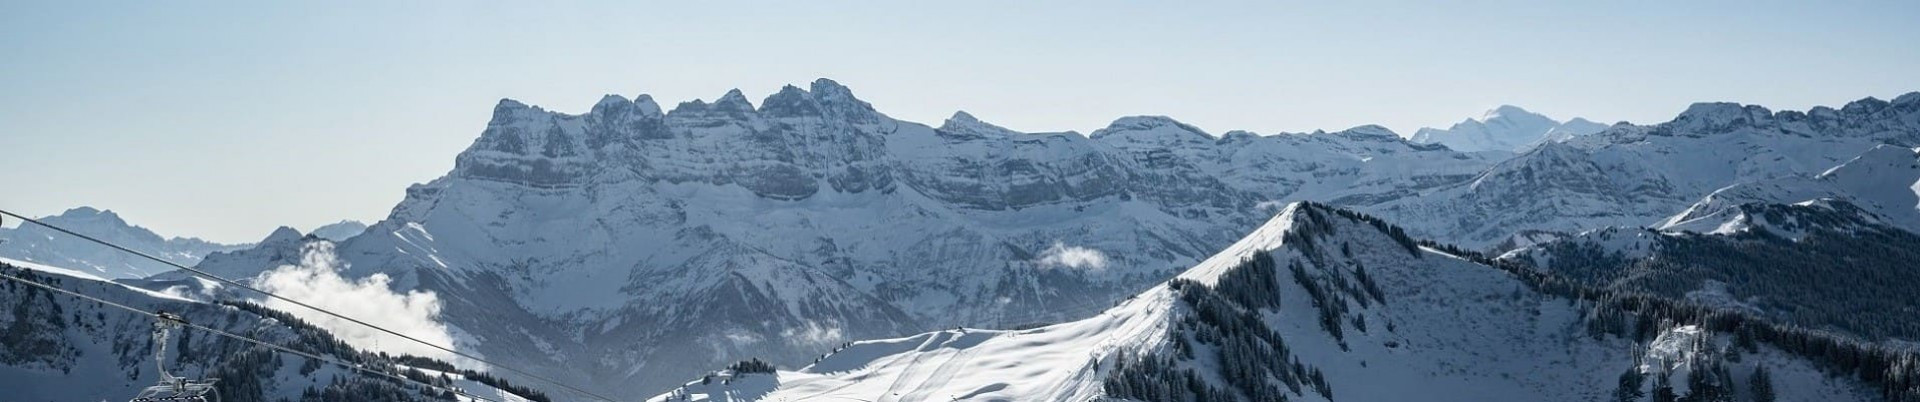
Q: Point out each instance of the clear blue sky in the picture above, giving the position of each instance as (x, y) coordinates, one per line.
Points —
(225, 119)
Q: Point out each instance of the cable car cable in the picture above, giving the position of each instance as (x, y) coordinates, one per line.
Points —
(301, 304)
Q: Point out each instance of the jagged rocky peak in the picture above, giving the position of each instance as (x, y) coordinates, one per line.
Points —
(965, 124)
(1583, 121)
(1903, 104)
(92, 214)
(695, 106)
(961, 117)
(1909, 99)
(509, 112)
(339, 231)
(282, 234)
(1869, 116)
(1579, 126)
(1239, 135)
(613, 105)
(1720, 116)
(822, 98)
(1864, 106)
(611, 102)
(98, 223)
(790, 101)
(838, 98)
(1307, 225)
(523, 143)
(1511, 113)
(1151, 130)
(1369, 132)
(733, 102)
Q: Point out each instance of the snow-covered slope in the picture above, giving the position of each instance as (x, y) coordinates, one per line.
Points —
(1317, 304)
(56, 347)
(1506, 128)
(34, 243)
(1637, 176)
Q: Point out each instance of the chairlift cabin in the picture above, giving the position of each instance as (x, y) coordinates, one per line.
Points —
(170, 388)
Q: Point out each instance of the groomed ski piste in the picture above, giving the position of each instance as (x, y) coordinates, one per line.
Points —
(1445, 329)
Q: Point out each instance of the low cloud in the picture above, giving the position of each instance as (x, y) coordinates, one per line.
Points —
(1065, 256)
(814, 334)
(316, 281)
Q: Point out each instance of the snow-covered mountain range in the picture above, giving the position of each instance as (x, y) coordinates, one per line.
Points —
(1320, 304)
(1506, 128)
(628, 246)
(33, 243)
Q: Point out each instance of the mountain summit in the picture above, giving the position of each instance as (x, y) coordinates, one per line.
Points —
(1506, 128)
(37, 244)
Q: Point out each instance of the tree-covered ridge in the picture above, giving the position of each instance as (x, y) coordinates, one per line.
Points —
(1226, 321)
(1250, 361)
(1227, 318)
(44, 330)
(1640, 315)
(1839, 273)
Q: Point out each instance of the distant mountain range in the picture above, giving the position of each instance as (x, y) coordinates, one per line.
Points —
(36, 244)
(1506, 128)
(33, 243)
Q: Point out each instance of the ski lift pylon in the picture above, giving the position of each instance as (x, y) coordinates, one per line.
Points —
(170, 388)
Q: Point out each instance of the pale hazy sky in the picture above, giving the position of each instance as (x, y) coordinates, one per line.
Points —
(226, 119)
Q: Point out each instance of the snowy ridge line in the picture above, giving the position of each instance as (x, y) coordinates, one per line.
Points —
(303, 304)
(355, 367)
(1579, 333)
